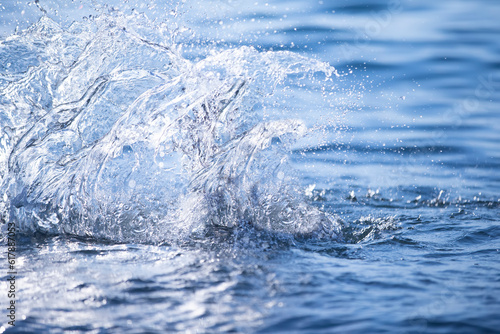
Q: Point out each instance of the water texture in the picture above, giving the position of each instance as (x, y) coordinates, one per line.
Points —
(237, 166)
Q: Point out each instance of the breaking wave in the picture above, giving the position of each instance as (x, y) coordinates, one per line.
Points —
(110, 133)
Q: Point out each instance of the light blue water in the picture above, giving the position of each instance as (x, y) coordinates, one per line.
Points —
(242, 166)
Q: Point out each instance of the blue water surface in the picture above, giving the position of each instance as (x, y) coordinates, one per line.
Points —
(362, 202)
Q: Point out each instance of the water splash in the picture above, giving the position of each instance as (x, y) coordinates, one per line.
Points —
(109, 134)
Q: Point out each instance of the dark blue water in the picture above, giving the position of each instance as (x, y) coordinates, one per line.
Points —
(251, 167)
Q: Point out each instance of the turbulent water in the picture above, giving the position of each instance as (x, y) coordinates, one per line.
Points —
(235, 166)
(116, 137)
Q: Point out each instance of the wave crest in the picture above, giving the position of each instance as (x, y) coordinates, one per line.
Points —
(111, 135)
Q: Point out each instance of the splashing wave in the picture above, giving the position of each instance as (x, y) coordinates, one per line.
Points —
(111, 135)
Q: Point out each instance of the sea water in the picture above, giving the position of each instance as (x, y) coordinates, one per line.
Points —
(241, 166)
